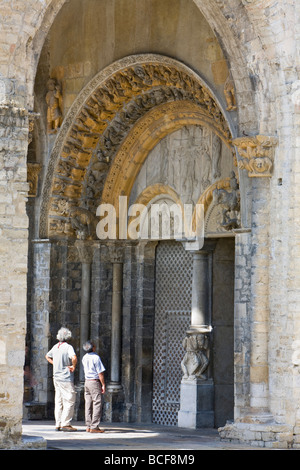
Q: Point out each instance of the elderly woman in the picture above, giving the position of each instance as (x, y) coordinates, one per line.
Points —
(63, 358)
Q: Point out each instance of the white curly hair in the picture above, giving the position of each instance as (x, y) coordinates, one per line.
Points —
(64, 334)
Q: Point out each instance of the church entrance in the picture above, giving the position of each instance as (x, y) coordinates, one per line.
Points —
(173, 292)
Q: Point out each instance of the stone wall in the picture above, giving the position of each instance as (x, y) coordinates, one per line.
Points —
(13, 232)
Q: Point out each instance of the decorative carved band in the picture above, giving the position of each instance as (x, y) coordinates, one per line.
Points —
(257, 154)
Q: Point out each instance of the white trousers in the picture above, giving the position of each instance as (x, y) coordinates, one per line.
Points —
(65, 396)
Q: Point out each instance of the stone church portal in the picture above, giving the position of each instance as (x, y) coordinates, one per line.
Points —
(167, 104)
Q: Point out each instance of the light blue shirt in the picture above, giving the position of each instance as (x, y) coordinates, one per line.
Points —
(92, 366)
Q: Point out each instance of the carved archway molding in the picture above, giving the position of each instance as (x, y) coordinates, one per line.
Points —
(130, 105)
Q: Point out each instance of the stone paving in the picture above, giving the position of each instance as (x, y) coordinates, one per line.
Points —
(125, 437)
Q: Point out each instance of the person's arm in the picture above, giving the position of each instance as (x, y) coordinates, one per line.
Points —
(49, 359)
(74, 362)
(102, 380)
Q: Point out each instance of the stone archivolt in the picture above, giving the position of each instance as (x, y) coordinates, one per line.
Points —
(89, 154)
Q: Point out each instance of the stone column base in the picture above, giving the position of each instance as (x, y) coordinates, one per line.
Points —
(35, 411)
(270, 435)
(196, 404)
(114, 406)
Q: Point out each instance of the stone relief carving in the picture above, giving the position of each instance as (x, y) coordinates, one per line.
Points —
(230, 200)
(229, 93)
(33, 170)
(105, 112)
(189, 161)
(32, 117)
(257, 154)
(83, 222)
(196, 359)
(54, 103)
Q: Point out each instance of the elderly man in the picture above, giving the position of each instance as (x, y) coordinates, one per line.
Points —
(64, 360)
(94, 387)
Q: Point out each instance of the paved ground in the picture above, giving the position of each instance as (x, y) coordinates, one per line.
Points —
(125, 437)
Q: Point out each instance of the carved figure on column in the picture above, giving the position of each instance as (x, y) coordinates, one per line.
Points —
(231, 202)
(195, 361)
(229, 93)
(54, 103)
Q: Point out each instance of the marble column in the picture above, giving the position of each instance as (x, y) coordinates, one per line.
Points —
(197, 388)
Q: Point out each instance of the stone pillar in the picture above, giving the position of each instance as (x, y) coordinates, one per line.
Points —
(197, 388)
(242, 321)
(13, 275)
(114, 396)
(256, 156)
(40, 332)
(85, 250)
(116, 327)
(253, 418)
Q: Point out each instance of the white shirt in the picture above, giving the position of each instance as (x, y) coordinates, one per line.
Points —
(62, 354)
(92, 365)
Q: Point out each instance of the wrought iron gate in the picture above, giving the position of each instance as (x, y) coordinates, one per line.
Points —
(173, 293)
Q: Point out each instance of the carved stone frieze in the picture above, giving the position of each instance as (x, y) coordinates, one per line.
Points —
(257, 154)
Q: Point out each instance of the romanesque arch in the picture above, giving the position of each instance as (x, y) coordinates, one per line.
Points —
(260, 43)
(111, 128)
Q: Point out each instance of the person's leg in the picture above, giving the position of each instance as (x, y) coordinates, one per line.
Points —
(69, 396)
(58, 404)
(97, 405)
(88, 405)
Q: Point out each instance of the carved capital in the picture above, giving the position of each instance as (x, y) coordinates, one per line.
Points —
(116, 252)
(85, 251)
(256, 154)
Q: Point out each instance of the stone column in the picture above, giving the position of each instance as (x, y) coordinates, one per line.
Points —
(116, 327)
(36, 408)
(197, 388)
(85, 250)
(114, 396)
(256, 156)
